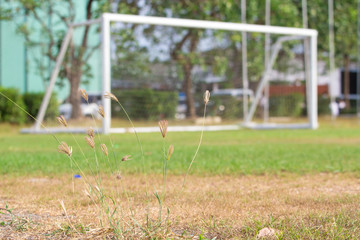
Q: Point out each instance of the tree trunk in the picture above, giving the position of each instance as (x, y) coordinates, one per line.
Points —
(75, 98)
(187, 67)
(190, 111)
(236, 79)
(76, 68)
(347, 80)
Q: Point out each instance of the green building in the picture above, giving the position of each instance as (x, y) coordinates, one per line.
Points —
(19, 63)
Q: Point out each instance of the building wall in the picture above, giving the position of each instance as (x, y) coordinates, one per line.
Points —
(19, 62)
(12, 59)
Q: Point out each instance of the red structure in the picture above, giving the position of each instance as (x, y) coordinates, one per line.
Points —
(283, 90)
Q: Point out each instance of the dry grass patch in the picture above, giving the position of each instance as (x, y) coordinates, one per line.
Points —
(224, 207)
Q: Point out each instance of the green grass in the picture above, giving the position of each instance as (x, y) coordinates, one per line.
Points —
(343, 225)
(331, 148)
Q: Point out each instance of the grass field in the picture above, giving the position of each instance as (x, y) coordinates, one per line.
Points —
(305, 183)
(333, 148)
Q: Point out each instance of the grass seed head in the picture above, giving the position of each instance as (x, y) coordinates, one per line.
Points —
(111, 96)
(101, 111)
(64, 148)
(126, 158)
(206, 96)
(90, 132)
(170, 151)
(61, 119)
(104, 149)
(163, 124)
(90, 141)
(84, 94)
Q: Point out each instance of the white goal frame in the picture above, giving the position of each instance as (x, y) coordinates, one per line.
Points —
(309, 35)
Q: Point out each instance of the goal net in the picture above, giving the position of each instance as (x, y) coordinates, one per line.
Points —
(159, 68)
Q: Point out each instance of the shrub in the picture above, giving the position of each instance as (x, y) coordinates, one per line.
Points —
(350, 109)
(323, 105)
(146, 104)
(33, 101)
(9, 112)
(289, 105)
(224, 106)
(227, 107)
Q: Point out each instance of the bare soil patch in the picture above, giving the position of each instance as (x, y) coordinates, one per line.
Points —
(218, 206)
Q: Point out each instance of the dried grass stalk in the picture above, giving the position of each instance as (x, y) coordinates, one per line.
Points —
(67, 216)
(206, 97)
(101, 111)
(91, 133)
(61, 119)
(90, 141)
(87, 193)
(104, 149)
(163, 124)
(170, 151)
(63, 206)
(111, 96)
(64, 148)
(84, 94)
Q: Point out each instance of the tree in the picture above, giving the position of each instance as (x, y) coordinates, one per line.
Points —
(345, 28)
(77, 56)
(345, 15)
(185, 52)
(130, 60)
(5, 14)
(185, 42)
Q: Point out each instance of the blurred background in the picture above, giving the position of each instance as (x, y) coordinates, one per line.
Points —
(161, 72)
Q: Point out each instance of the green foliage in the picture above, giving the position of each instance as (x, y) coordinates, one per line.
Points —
(227, 107)
(323, 105)
(351, 109)
(19, 223)
(5, 14)
(201, 237)
(289, 105)
(345, 15)
(8, 112)
(146, 104)
(33, 101)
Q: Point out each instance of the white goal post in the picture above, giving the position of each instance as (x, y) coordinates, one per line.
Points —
(309, 35)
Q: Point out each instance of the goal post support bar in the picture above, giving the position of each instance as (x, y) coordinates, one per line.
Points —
(264, 79)
(55, 71)
(311, 87)
(54, 75)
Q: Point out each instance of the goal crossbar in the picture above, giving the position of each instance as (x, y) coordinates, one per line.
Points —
(204, 24)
